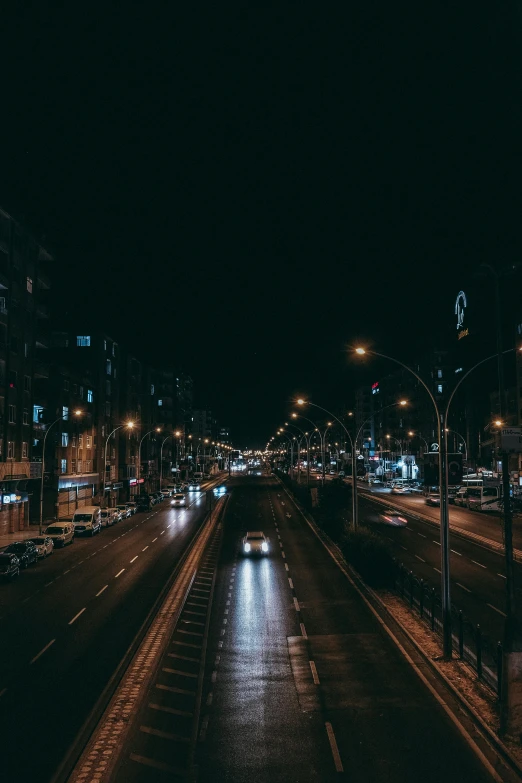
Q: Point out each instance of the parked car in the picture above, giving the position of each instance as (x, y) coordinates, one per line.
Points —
(61, 532)
(461, 498)
(133, 506)
(9, 565)
(44, 545)
(107, 517)
(144, 503)
(25, 551)
(87, 520)
(166, 493)
(124, 511)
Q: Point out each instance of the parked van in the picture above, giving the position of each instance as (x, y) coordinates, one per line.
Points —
(87, 520)
(62, 533)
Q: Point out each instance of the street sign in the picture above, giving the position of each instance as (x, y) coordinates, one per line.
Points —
(434, 448)
(511, 439)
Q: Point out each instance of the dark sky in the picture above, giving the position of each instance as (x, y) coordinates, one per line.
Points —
(247, 191)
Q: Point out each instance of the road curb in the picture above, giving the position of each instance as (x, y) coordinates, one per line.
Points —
(495, 745)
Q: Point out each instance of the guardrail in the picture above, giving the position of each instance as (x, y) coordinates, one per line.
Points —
(474, 647)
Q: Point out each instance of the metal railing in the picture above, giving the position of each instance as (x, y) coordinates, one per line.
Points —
(475, 647)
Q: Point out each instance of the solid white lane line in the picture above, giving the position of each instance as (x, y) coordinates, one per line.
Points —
(314, 673)
(479, 564)
(290, 583)
(497, 610)
(456, 553)
(101, 591)
(134, 558)
(303, 631)
(154, 539)
(296, 604)
(286, 566)
(420, 558)
(119, 573)
(464, 588)
(501, 576)
(143, 550)
(42, 651)
(333, 746)
(77, 615)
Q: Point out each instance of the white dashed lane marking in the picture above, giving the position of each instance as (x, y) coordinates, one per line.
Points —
(77, 615)
(101, 591)
(462, 586)
(479, 564)
(119, 573)
(134, 558)
(44, 649)
(496, 610)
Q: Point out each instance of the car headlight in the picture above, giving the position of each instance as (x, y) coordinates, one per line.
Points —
(247, 547)
(264, 546)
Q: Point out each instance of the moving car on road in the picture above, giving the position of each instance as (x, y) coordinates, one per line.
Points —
(400, 490)
(194, 486)
(392, 517)
(433, 499)
(62, 533)
(179, 499)
(255, 543)
(25, 551)
(44, 545)
(9, 565)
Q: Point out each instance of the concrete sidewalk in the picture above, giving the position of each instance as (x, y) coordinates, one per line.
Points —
(28, 532)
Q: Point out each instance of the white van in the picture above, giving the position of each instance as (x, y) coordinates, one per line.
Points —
(87, 520)
(61, 532)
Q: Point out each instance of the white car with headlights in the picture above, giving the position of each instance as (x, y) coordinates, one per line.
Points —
(255, 543)
(44, 545)
(179, 499)
(194, 486)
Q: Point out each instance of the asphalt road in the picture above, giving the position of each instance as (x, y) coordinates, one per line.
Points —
(67, 622)
(302, 679)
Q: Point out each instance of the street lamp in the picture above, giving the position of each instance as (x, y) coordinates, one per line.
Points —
(155, 429)
(60, 418)
(413, 435)
(442, 418)
(161, 460)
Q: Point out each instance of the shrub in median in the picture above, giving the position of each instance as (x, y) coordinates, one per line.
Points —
(370, 556)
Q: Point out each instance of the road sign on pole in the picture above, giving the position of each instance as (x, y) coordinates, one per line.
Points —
(511, 439)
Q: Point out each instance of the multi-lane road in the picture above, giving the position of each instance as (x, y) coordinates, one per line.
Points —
(66, 624)
(303, 682)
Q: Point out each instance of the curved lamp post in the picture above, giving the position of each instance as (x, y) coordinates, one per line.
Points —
(442, 417)
(60, 418)
(156, 429)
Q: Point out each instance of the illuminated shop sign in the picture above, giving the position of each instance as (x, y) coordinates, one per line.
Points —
(375, 388)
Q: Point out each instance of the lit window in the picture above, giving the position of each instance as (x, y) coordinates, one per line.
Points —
(108, 366)
(10, 449)
(160, 402)
(105, 345)
(73, 441)
(152, 388)
(88, 440)
(65, 438)
(37, 413)
(83, 341)
(65, 413)
(64, 465)
(114, 349)
(439, 388)
(89, 395)
(30, 285)
(25, 450)
(439, 373)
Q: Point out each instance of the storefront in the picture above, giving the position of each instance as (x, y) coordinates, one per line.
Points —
(75, 491)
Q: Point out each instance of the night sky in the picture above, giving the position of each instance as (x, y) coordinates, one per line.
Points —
(247, 191)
